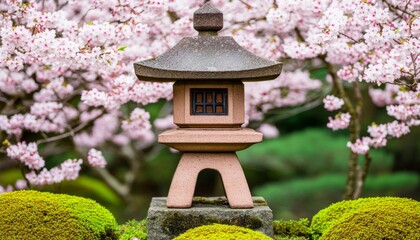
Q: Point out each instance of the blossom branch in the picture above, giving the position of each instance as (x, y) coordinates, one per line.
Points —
(64, 135)
(121, 189)
(354, 128)
(395, 9)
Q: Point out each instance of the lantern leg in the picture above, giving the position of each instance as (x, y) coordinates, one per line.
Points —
(183, 183)
(234, 181)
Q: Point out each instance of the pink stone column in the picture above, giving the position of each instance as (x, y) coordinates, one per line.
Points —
(227, 164)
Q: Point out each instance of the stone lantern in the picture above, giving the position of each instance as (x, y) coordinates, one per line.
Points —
(208, 98)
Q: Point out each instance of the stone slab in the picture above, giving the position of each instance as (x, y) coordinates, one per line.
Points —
(210, 140)
(166, 223)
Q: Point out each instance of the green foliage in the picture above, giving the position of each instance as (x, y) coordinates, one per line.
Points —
(306, 153)
(289, 199)
(132, 229)
(40, 215)
(369, 218)
(90, 187)
(10, 176)
(291, 229)
(221, 232)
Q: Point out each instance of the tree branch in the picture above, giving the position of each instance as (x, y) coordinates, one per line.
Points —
(118, 187)
(64, 135)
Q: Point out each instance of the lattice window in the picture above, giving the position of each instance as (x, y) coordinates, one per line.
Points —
(209, 101)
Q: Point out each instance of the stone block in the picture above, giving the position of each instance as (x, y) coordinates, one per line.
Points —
(166, 223)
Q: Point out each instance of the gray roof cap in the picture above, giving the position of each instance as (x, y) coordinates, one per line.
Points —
(207, 56)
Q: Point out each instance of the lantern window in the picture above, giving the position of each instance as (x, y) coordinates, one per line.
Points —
(209, 101)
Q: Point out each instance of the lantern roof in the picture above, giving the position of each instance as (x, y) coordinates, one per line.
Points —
(207, 56)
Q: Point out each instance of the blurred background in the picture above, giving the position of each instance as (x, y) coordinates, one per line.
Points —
(298, 172)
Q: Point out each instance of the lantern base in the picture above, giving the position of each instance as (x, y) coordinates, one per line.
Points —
(166, 223)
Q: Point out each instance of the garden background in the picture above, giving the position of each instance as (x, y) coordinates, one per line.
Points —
(67, 86)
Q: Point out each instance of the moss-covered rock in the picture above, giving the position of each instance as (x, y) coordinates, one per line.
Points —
(221, 232)
(133, 229)
(291, 229)
(40, 215)
(369, 218)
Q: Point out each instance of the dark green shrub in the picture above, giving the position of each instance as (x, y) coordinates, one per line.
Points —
(369, 218)
(40, 215)
(133, 228)
(291, 229)
(288, 199)
(221, 232)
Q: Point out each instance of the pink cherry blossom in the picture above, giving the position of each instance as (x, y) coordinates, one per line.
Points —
(15, 124)
(268, 130)
(164, 123)
(404, 112)
(8, 188)
(378, 131)
(46, 109)
(384, 97)
(94, 97)
(68, 170)
(137, 124)
(21, 184)
(3, 122)
(332, 103)
(26, 154)
(103, 130)
(397, 129)
(71, 168)
(378, 142)
(66, 68)
(96, 159)
(361, 146)
(341, 121)
(45, 177)
(348, 73)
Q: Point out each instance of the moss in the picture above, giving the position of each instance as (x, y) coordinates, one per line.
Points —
(223, 201)
(176, 223)
(210, 201)
(221, 232)
(369, 218)
(133, 228)
(291, 228)
(290, 238)
(39, 215)
(260, 202)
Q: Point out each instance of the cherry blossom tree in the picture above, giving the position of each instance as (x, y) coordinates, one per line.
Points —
(66, 73)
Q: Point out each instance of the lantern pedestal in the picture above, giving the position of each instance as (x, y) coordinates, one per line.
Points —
(166, 223)
(209, 149)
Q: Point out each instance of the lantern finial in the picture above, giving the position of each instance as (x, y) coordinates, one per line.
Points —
(208, 19)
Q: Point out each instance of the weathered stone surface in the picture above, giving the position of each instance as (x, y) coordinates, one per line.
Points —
(166, 223)
(208, 18)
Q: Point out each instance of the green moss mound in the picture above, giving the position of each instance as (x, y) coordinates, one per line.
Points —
(40, 215)
(133, 229)
(221, 232)
(291, 229)
(369, 218)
